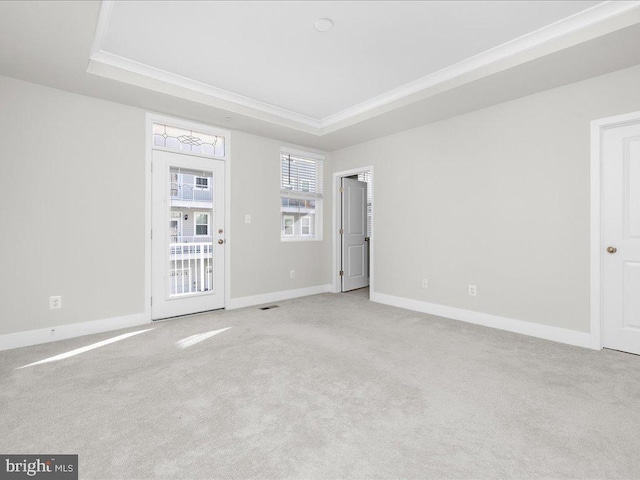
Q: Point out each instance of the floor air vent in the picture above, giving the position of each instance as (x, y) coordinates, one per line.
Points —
(269, 307)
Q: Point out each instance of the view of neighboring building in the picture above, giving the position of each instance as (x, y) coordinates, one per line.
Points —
(191, 247)
(301, 196)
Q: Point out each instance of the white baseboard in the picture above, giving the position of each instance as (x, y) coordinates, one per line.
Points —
(556, 334)
(242, 302)
(62, 332)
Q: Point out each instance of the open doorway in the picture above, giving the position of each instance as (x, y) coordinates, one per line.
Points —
(353, 226)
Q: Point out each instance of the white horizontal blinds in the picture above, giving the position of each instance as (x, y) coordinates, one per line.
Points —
(366, 177)
(186, 140)
(301, 196)
(300, 177)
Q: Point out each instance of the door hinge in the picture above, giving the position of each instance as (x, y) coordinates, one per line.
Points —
(341, 189)
(342, 273)
(341, 231)
(152, 301)
(152, 234)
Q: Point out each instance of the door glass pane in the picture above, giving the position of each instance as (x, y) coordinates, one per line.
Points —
(191, 220)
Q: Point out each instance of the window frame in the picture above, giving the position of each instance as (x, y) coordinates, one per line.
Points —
(302, 226)
(284, 225)
(196, 224)
(305, 195)
(200, 187)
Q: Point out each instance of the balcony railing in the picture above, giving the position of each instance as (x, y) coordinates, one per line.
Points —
(200, 239)
(191, 267)
(190, 193)
(298, 203)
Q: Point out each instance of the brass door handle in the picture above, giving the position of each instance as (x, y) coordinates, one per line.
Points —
(220, 242)
(612, 249)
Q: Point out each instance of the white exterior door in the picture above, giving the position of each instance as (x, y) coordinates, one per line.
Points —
(354, 232)
(621, 237)
(187, 252)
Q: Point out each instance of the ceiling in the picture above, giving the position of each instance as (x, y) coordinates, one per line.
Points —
(262, 68)
(271, 54)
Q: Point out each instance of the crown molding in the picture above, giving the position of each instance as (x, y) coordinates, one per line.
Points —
(101, 27)
(561, 28)
(157, 74)
(99, 55)
(148, 76)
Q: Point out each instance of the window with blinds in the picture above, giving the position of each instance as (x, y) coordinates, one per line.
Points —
(300, 196)
(366, 177)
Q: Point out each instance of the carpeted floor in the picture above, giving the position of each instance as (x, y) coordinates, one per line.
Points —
(329, 386)
(360, 292)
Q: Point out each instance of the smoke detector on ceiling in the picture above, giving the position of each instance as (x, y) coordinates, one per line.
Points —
(324, 24)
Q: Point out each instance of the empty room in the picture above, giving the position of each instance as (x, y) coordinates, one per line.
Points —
(320, 239)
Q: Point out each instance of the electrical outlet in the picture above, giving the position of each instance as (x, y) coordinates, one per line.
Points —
(55, 302)
(247, 219)
(425, 283)
(473, 290)
(292, 274)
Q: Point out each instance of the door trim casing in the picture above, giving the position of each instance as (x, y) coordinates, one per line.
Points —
(179, 122)
(597, 244)
(335, 276)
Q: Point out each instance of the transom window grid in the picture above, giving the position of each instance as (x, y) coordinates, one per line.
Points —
(187, 140)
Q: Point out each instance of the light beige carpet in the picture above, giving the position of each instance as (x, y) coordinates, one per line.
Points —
(329, 386)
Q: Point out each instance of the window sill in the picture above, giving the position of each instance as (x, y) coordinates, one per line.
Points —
(300, 239)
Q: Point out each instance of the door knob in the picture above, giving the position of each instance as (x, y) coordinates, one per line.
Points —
(612, 249)
(221, 241)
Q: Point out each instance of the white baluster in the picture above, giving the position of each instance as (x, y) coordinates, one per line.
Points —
(175, 278)
(190, 281)
(201, 267)
(182, 271)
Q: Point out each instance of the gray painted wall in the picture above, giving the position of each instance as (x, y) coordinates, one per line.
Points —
(260, 260)
(68, 230)
(498, 198)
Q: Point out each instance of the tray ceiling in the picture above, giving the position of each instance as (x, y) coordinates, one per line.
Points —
(269, 58)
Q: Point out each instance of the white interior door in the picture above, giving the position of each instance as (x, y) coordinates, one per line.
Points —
(187, 244)
(621, 236)
(354, 235)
